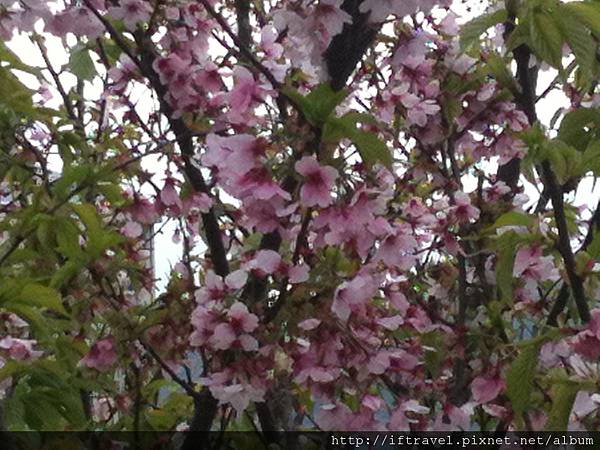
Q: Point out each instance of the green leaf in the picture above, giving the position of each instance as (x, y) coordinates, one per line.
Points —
(159, 419)
(14, 94)
(545, 38)
(471, 31)
(563, 396)
(11, 368)
(89, 216)
(578, 37)
(336, 129)
(73, 178)
(319, 104)
(7, 55)
(519, 378)
(99, 239)
(451, 108)
(436, 351)
(520, 35)
(24, 293)
(67, 237)
(324, 100)
(67, 272)
(14, 412)
(513, 218)
(579, 127)
(252, 242)
(521, 373)
(81, 64)
(42, 296)
(372, 149)
(594, 248)
(590, 160)
(112, 50)
(507, 248)
(565, 160)
(587, 13)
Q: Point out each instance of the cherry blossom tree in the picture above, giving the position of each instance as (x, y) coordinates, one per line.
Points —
(378, 230)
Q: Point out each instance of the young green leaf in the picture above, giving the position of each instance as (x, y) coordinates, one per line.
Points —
(563, 396)
(578, 37)
(579, 127)
(512, 218)
(472, 30)
(507, 247)
(319, 104)
(372, 149)
(521, 373)
(545, 38)
(81, 64)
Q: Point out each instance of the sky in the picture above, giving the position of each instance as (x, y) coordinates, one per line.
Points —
(168, 252)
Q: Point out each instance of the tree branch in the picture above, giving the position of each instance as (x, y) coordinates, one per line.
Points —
(564, 242)
(347, 48)
(509, 173)
(563, 296)
(242, 12)
(527, 79)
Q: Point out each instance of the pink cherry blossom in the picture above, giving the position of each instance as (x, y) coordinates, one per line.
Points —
(352, 296)
(223, 336)
(204, 320)
(238, 395)
(398, 248)
(215, 289)
(241, 318)
(268, 42)
(309, 324)
(235, 330)
(453, 418)
(101, 356)
(318, 182)
(132, 12)
(197, 201)
(464, 211)
(244, 94)
(584, 404)
(386, 360)
(331, 18)
(258, 183)
(84, 23)
(266, 262)
(238, 154)
(132, 229)
(391, 323)
(20, 349)
(399, 421)
(419, 111)
(169, 196)
(530, 264)
(585, 345)
(317, 375)
(486, 389)
(298, 274)
(587, 342)
(307, 278)
(496, 191)
(143, 211)
(263, 216)
(236, 280)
